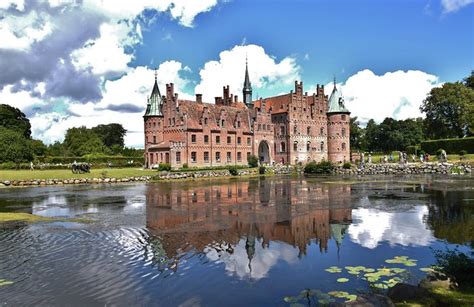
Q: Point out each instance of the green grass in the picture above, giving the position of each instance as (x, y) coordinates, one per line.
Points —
(67, 173)
(443, 297)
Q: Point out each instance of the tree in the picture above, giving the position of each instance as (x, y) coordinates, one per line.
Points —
(14, 147)
(111, 134)
(356, 134)
(449, 111)
(81, 141)
(56, 149)
(13, 119)
(370, 140)
(38, 148)
(469, 81)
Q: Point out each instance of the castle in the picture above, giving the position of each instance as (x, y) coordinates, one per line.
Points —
(288, 129)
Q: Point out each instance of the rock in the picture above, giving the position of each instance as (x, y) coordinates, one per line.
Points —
(369, 300)
(405, 292)
(437, 280)
(7, 183)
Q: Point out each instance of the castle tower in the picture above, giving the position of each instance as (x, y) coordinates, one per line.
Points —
(153, 121)
(338, 128)
(247, 90)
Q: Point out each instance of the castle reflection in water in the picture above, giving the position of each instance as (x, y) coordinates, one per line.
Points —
(187, 216)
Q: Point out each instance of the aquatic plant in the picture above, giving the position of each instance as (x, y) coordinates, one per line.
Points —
(342, 280)
(333, 269)
(4, 282)
(402, 260)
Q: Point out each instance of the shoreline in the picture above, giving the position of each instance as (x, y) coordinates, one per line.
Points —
(443, 168)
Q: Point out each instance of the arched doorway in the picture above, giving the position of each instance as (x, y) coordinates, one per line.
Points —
(264, 152)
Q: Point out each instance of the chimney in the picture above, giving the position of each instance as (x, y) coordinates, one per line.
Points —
(169, 90)
(199, 98)
(236, 98)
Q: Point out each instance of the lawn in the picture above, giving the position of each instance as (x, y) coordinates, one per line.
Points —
(67, 173)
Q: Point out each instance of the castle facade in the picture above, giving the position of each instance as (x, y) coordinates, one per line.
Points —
(289, 129)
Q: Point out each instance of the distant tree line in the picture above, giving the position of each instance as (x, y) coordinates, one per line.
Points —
(17, 145)
(449, 111)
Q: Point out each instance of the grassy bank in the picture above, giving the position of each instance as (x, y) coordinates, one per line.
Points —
(443, 297)
(68, 174)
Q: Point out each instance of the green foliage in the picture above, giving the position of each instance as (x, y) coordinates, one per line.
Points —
(81, 141)
(262, 169)
(56, 149)
(347, 165)
(457, 265)
(252, 161)
(164, 167)
(14, 147)
(111, 135)
(394, 134)
(38, 148)
(13, 119)
(356, 134)
(451, 146)
(323, 167)
(449, 111)
(412, 149)
(469, 81)
(185, 166)
(462, 152)
(233, 170)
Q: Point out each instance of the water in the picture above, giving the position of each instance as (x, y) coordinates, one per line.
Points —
(212, 243)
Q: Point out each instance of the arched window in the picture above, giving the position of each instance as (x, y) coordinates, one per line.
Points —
(282, 147)
(308, 130)
(343, 132)
(308, 146)
(322, 146)
(205, 121)
(295, 146)
(343, 146)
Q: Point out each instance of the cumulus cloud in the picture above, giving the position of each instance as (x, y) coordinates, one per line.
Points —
(396, 94)
(264, 71)
(450, 6)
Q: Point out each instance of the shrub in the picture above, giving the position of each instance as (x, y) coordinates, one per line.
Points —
(323, 167)
(261, 170)
(252, 160)
(458, 266)
(233, 171)
(439, 151)
(451, 146)
(347, 165)
(185, 166)
(463, 153)
(412, 150)
(164, 167)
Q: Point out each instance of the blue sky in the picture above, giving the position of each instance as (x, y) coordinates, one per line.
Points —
(68, 64)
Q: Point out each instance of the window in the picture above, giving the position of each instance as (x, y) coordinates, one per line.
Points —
(229, 156)
(206, 139)
(178, 157)
(322, 146)
(269, 128)
(238, 124)
(154, 139)
(174, 121)
(147, 140)
(248, 155)
(282, 147)
(154, 124)
(222, 123)
(239, 156)
(239, 140)
(321, 131)
(308, 146)
(295, 129)
(193, 157)
(308, 130)
(248, 141)
(205, 121)
(229, 140)
(343, 117)
(343, 146)
(282, 130)
(206, 156)
(218, 139)
(218, 156)
(259, 127)
(295, 146)
(343, 132)
(193, 138)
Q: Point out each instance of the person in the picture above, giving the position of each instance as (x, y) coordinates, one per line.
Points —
(391, 157)
(362, 158)
(31, 166)
(405, 158)
(422, 158)
(385, 159)
(413, 158)
(369, 159)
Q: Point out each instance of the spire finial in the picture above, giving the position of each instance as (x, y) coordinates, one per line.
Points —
(156, 74)
(334, 80)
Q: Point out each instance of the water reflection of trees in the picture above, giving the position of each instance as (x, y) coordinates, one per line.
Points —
(199, 216)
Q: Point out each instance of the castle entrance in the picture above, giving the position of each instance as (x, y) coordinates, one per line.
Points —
(264, 152)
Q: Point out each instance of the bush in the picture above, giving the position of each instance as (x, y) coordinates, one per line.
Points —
(463, 153)
(452, 146)
(412, 150)
(323, 167)
(439, 151)
(164, 167)
(458, 266)
(252, 160)
(261, 170)
(185, 166)
(347, 165)
(233, 171)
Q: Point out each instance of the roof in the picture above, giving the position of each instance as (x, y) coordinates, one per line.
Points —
(336, 102)
(155, 102)
(247, 85)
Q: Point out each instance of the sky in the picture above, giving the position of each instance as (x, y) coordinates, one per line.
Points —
(70, 63)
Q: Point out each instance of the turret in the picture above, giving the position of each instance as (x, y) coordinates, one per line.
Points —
(155, 102)
(338, 127)
(247, 90)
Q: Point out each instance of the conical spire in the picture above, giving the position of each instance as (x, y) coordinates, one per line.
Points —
(156, 90)
(336, 101)
(155, 102)
(247, 90)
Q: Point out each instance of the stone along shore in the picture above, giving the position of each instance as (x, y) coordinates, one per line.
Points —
(410, 168)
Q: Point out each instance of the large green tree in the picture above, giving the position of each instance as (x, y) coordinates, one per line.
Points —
(111, 135)
(14, 147)
(81, 141)
(469, 81)
(356, 134)
(449, 111)
(13, 119)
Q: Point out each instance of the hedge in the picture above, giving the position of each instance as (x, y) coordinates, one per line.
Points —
(452, 146)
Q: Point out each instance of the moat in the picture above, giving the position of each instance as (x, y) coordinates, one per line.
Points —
(242, 242)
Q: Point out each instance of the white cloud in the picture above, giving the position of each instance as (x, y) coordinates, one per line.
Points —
(371, 227)
(450, 6)
(264, 71)
(18, 4)
(396, 94)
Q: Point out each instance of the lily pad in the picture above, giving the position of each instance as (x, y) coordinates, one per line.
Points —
(342, 280)
(333, 269)
(402, 260)
(290, 299)
(351, 297)
(4, 282)
(339, 294)
(426, 270)
(380, 286)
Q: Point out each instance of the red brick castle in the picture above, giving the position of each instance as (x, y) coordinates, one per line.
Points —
(289, 129)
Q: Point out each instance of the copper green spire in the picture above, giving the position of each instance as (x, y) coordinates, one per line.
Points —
(155, 102)
(247, 90)
(336, 101)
